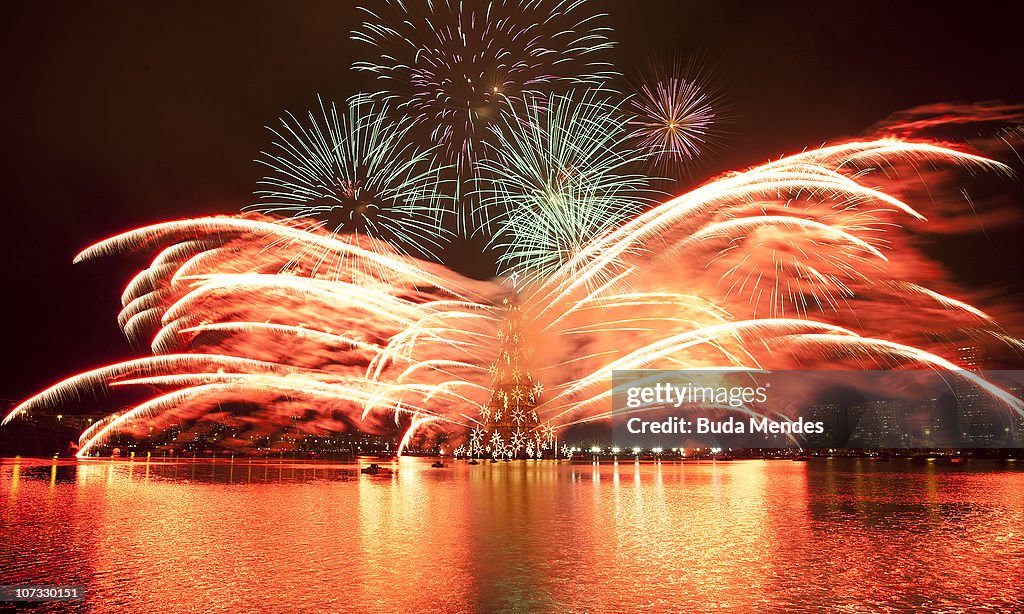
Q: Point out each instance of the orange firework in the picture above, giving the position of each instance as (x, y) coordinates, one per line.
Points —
(795, 262)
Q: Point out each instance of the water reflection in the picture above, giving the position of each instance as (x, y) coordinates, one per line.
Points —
(527, 536)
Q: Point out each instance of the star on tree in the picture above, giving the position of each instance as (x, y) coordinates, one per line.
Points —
(518, 440)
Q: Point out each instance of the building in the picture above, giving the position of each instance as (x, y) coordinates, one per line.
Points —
(977, 417)
(835, 424)
(880, 424)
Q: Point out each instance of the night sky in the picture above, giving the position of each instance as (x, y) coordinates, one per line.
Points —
(118, 115)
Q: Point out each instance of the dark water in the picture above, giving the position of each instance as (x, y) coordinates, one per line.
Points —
(742, 536)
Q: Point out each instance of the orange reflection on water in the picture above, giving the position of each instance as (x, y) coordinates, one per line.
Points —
(736, 536)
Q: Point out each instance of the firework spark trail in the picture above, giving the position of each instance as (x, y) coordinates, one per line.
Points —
(810, 176)
(319, 330)
(804, 236)
(389, 339)
(267, 245)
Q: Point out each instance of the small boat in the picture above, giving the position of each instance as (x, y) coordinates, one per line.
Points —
(473, 462)
(722, 457)
(375, 469)
(800, 457)
(959, 460)
(880, 458)
(437, 464)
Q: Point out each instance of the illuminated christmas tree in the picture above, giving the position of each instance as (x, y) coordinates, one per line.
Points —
(510, 425)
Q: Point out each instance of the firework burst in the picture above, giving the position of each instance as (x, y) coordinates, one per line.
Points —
(559, 174)
(453, 64)
(356, 172)
(678, 112)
